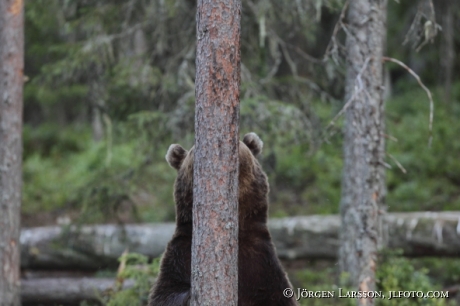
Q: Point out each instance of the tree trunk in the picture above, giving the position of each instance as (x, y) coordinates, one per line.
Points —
(363, 183)
(96, 123)
(216, 168)
(11, 84)
(96, 96)
(447, 46)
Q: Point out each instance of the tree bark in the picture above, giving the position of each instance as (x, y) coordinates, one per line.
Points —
(447, 46)
(96, 96)
(96, 123)
(215, 192)
(363, 182)
(307, 237)
(11, 84)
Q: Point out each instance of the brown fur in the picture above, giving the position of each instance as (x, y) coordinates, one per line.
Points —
(261, 279)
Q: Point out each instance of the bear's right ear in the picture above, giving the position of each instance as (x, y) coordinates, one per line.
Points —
(175, 156)
(253, 142)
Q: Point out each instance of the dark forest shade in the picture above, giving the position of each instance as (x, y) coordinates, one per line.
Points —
(11, 86)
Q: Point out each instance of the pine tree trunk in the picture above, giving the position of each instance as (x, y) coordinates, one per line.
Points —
(363, 181)
(11, 83)
(97, 104)
(215, 193)
(447, 46)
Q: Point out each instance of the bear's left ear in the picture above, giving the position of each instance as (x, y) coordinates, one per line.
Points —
(254, 143)
(175, 156)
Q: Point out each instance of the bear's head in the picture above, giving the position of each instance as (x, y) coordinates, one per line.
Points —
(253, 183)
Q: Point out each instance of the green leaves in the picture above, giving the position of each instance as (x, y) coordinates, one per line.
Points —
(431, 182)
(134, 267)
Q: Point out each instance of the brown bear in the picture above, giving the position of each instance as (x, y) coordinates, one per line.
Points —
(261, 279)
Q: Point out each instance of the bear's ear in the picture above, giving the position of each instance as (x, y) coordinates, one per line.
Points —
(175, 156)
(254, 143)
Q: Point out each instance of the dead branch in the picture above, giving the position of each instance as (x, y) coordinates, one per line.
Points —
(397, 163)
(392, 138)
(429, 30)
(428, 92)
(357, 90)
(333, 46)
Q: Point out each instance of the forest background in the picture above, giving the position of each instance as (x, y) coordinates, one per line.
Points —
(110, 85)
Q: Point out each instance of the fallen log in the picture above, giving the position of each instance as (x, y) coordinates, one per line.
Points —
(306, 237)
(65, 291)
(90, 247)
(417, 234)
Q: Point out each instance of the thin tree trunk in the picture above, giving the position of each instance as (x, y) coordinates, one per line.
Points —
(96, 123)
(11, 84)
(447, 46)
(363, 181)
(215, 192)
(97, 98)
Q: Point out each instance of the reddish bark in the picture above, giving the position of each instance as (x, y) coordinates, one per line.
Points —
(215, 199)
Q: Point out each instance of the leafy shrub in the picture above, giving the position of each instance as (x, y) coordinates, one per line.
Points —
(95, 179)
(64, 166)
(433, 173)
(397, 273)
(134, 268)
(394, 273)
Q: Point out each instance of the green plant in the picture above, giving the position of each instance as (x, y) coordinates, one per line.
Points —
(394, 273)
(397, 273)
(134, 267)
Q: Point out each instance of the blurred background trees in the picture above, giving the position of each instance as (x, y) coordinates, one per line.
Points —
(110, 85)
